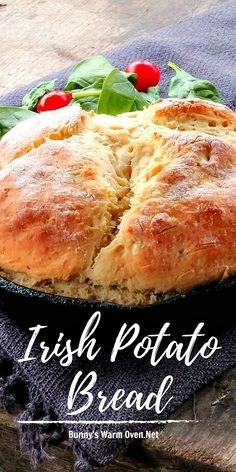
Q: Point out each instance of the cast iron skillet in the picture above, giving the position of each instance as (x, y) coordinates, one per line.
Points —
(213, 304)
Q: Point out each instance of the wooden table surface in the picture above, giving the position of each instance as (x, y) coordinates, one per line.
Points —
(36, 38)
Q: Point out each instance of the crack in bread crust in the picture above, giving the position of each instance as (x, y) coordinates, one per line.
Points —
(120, 208)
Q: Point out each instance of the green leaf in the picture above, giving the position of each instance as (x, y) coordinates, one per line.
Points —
(118, 95)
(112, 95)
(87, 103)
(30, 100)
(152, 94)
(86, 84)
(88, 71)
(10, 116)
(131, 76)
(88, 97)
(93, 89)
(184, 85)
(92, 70)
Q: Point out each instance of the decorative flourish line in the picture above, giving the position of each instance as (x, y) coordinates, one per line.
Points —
(106, 422)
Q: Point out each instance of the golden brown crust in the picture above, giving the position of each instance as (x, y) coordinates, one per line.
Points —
(58, 204)
(30, 134)
(194, 115)
(181, 228)
(132, 205)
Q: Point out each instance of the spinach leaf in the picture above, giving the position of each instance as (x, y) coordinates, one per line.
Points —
(131, 76)
(88, 71)
(152, 94)
(118, 95)
(95, 88)
(30, 100)
(87, 103)
(10, 116)
(112, 95)
(88, 97)
(184, 85)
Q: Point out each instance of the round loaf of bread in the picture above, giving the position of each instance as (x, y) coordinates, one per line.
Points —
(120, 208)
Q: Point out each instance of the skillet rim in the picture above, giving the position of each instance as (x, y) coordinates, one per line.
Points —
(14, 288)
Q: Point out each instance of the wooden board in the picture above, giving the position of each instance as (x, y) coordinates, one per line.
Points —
(41, 36)
(208, 446)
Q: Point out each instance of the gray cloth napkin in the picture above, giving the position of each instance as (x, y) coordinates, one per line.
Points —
(204, 46)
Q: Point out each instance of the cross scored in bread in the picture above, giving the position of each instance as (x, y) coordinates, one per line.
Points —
(120, 208)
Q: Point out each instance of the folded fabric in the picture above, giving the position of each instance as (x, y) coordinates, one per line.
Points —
(204, 46)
